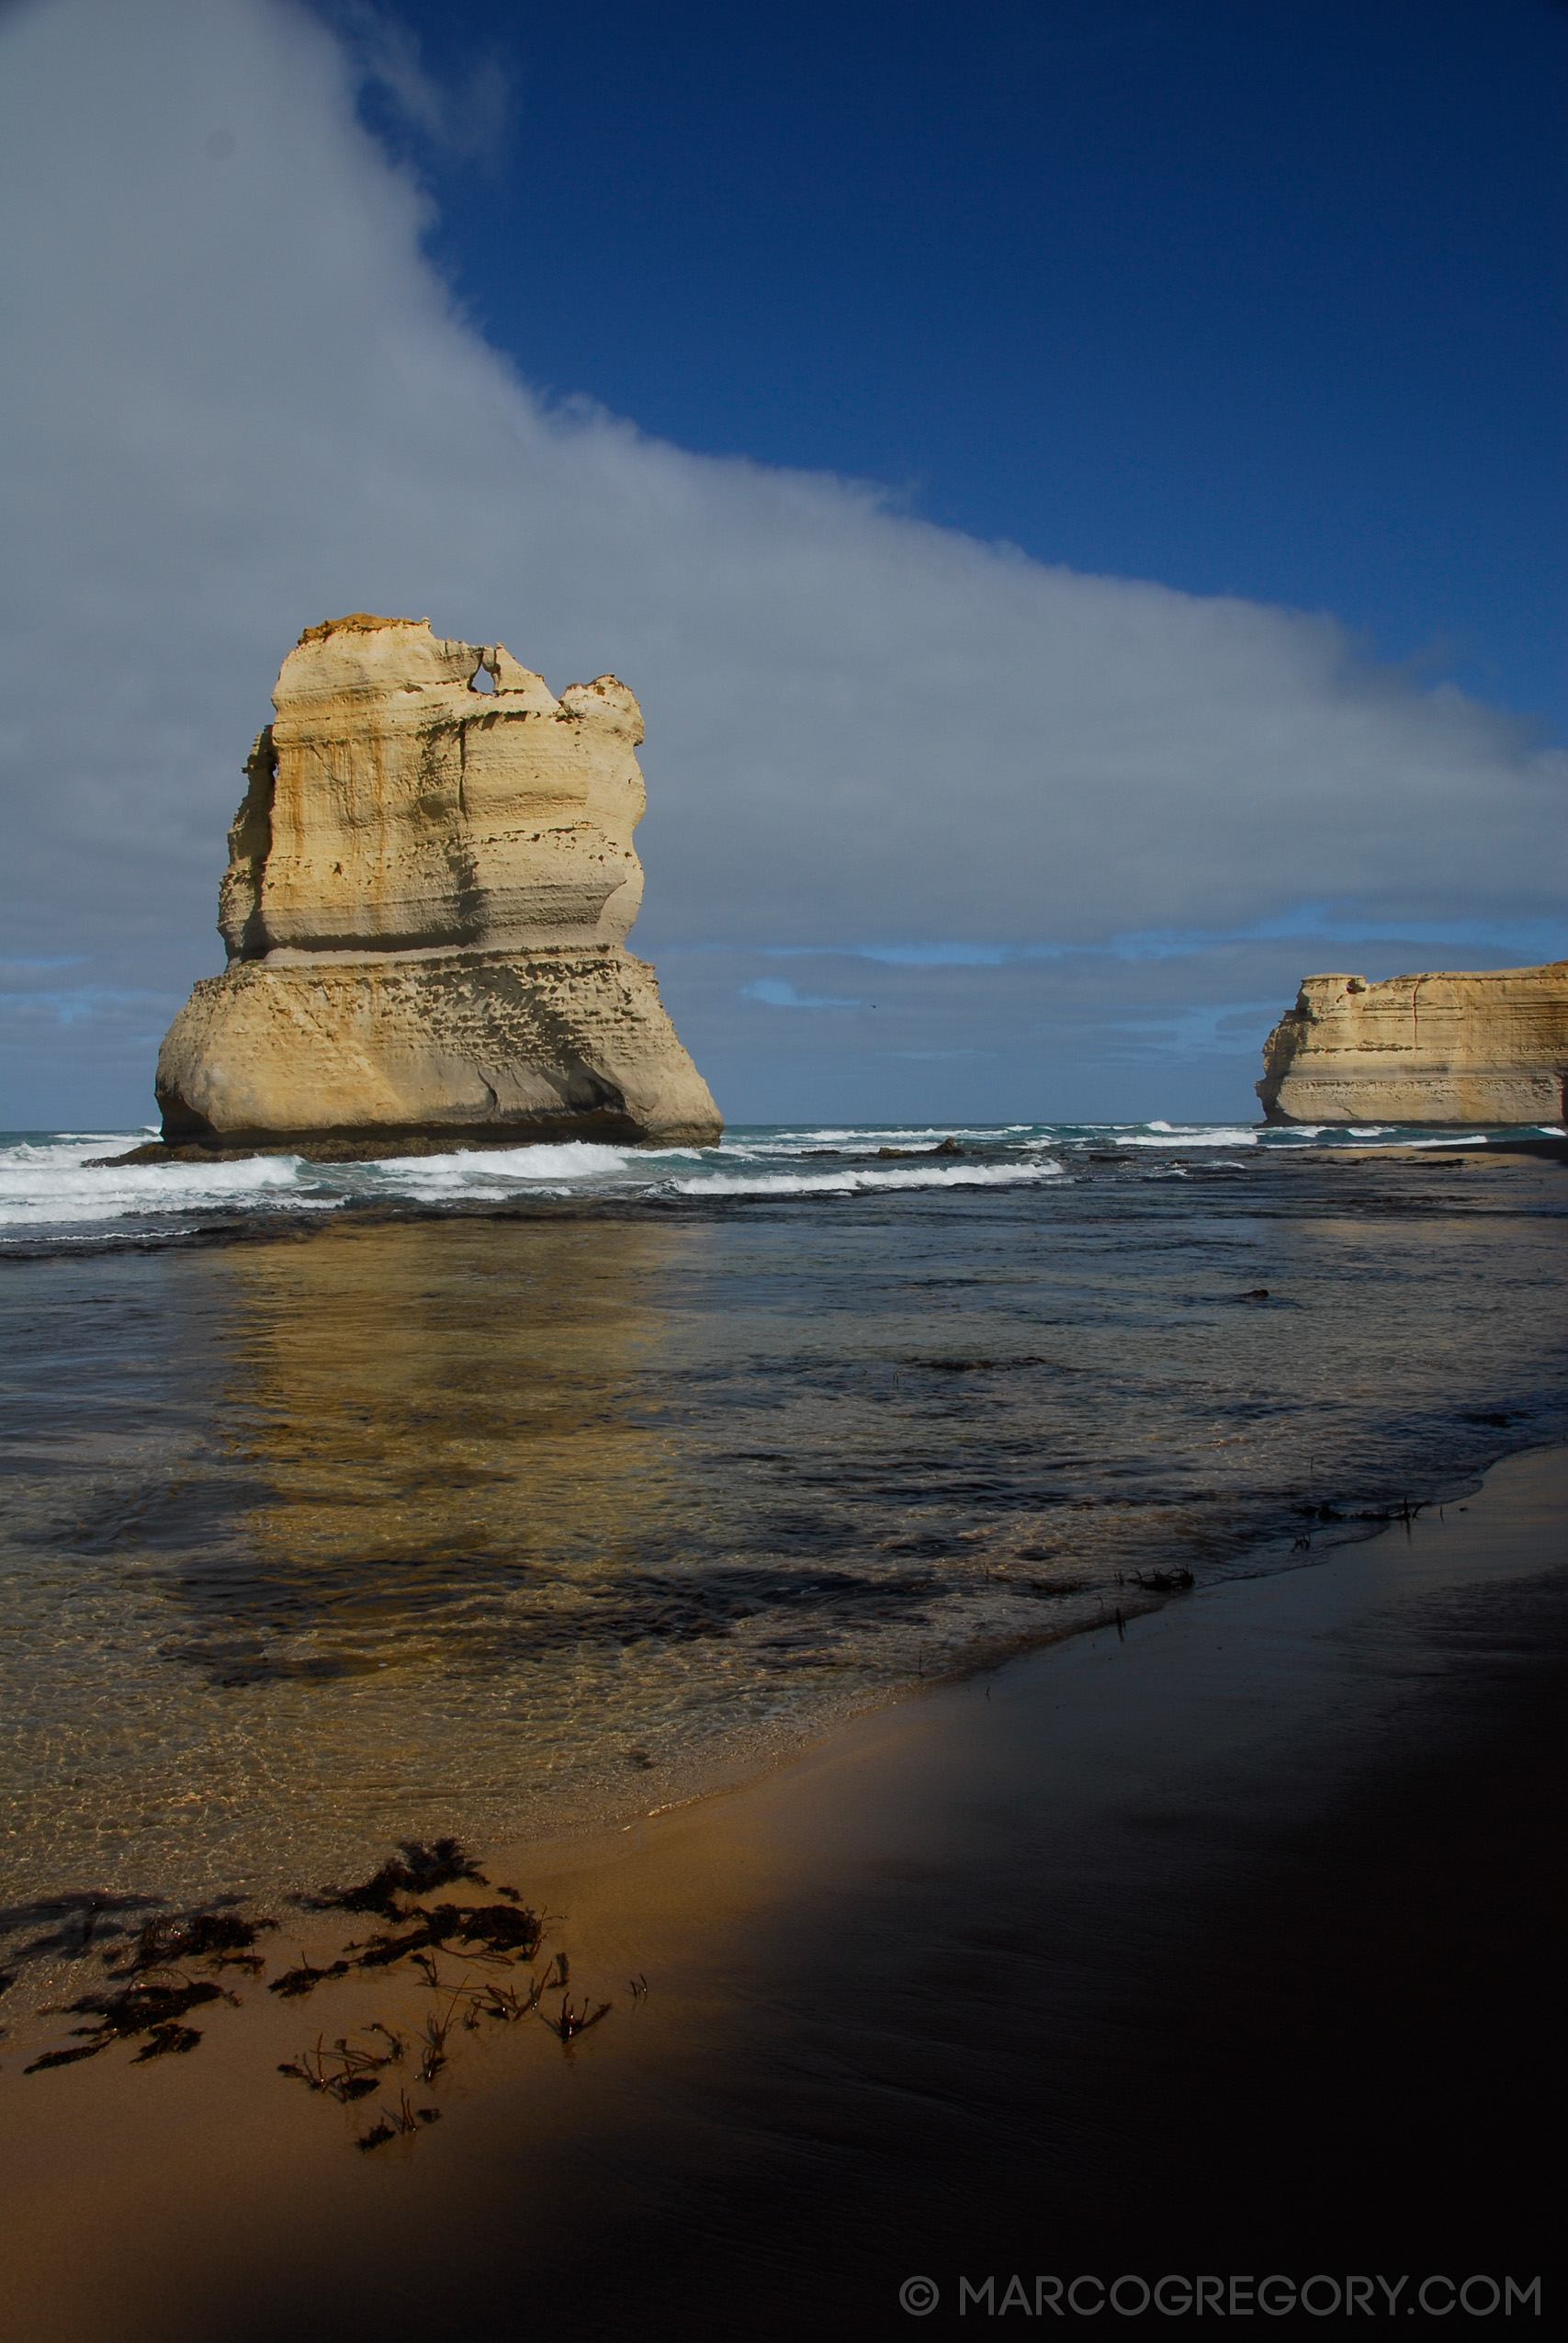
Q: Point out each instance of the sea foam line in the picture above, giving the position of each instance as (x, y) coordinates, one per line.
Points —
(849, 1184)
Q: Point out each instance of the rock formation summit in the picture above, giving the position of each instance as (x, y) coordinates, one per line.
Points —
(431, 880)
(1492, 1048)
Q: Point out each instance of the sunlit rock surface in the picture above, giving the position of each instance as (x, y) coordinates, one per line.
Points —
(429, 884)
(1491, 1047)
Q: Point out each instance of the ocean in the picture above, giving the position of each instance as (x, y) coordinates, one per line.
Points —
(503, 1493)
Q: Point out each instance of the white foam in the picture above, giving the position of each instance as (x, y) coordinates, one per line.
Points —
(849, 1184)
(481, 1168)
(788, 1140)
(1168, 1135)
(54, 1182)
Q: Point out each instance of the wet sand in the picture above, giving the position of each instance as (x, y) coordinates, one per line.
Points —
(1231, 1945)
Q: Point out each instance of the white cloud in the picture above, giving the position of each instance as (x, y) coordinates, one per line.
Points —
(776, 994)
(236, 399)
(467, 120)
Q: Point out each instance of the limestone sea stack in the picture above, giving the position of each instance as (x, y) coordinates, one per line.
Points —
(1492, 1048)
(429, 882)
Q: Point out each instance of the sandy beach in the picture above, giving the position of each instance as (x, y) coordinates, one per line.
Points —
(1224, 1944)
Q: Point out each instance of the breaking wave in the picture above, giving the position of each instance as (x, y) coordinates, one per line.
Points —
(74, 1187)
(849, 1184)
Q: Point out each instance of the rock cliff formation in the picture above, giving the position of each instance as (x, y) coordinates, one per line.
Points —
(429, 882)
(1486, 1048)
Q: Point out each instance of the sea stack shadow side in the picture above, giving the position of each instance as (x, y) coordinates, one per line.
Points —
(1489, 1047)
(431, 880)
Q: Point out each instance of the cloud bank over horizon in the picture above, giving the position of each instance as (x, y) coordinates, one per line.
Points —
(1074, 823)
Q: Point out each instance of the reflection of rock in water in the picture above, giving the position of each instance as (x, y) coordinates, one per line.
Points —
(489, 1526)
(445, 1416)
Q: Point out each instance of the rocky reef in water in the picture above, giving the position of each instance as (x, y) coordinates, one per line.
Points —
(431, 880)
(1485, 1049)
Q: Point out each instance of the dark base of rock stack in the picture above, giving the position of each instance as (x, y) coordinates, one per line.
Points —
(346, 1058)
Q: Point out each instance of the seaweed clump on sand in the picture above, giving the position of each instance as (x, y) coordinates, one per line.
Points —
(503, 1931)
(415, 1870)
(493, 1927)
(222, 1939)
(402, 2118)
(153, 1993)
(349, 2070)
(306, 1978)
(154, 2010)
(156, 1995)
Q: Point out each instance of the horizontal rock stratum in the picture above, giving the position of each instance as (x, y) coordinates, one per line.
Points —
(1490, 1047)
(431, 880)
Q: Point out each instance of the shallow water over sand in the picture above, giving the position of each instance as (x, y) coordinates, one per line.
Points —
(496, 1513)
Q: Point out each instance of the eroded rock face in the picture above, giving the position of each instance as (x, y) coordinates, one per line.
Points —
(1490, 1047)
(430, 883)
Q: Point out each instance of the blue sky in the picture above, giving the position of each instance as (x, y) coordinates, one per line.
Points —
(1078, 489)
(1263, 301)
